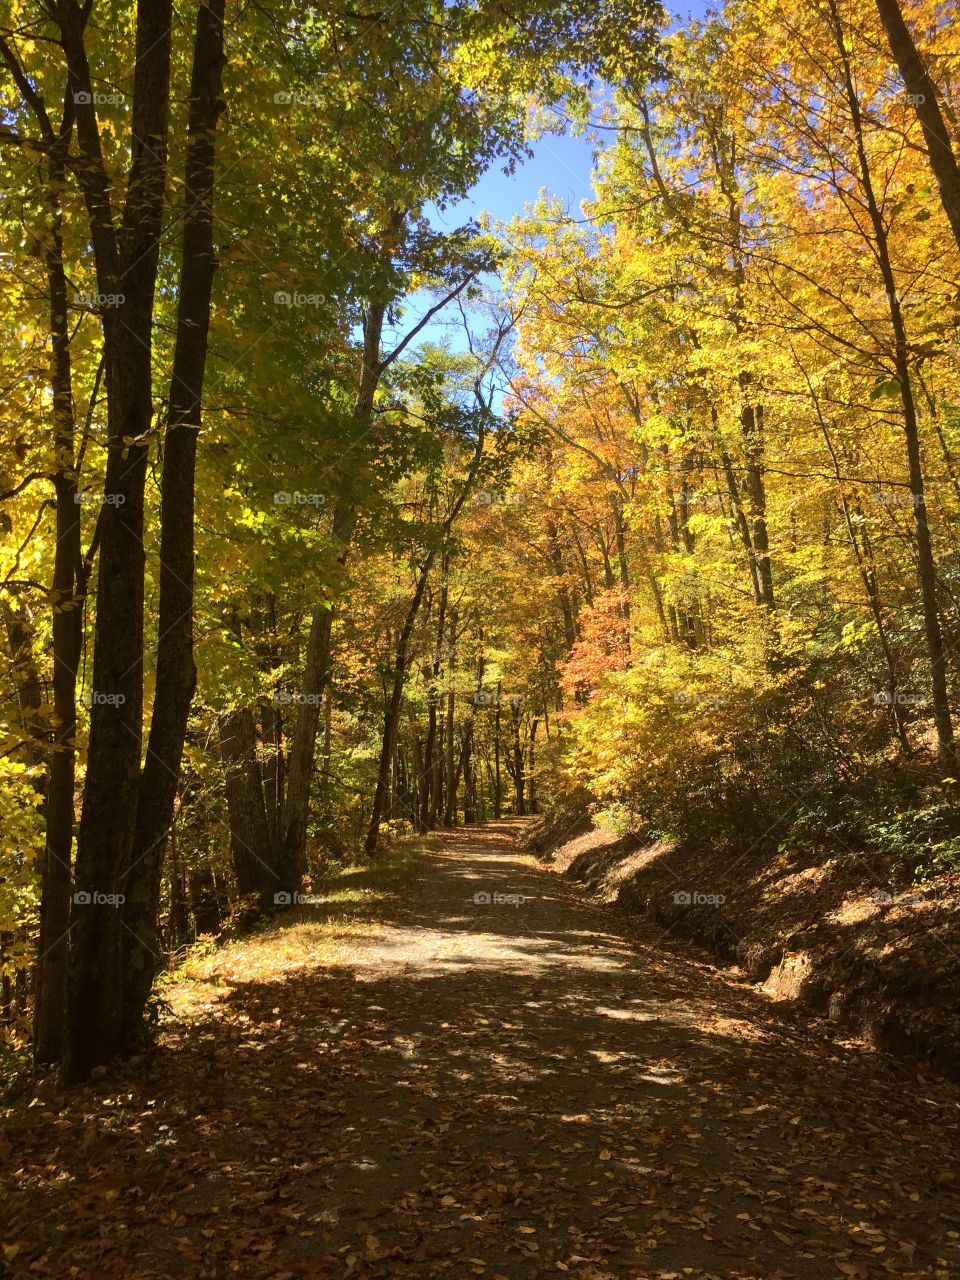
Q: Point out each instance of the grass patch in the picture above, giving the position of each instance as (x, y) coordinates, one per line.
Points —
(351, 901)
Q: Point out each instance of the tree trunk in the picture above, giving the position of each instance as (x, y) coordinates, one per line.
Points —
(392, 715)
(250, 846)
(563, 591)
(533, 805)
(519, 780)
(176, 673)
(469, 781)
(868, 575)
(923, 95)
(751, 420)
(450, 807)
(127, 267)
(67, 623)
(440, 774)
(925, 561)
(430, 786)
(497, 787)
(291, 863)
(272, 731)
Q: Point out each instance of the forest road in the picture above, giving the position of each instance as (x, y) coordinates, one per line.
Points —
(538, 1088)
(505, 1080)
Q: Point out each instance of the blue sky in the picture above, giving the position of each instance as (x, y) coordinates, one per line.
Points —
(560, 164)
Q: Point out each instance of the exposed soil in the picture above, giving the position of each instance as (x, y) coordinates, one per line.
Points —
(829, 932)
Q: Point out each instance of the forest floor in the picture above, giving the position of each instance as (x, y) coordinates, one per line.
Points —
(839, 931)
(511, 1088)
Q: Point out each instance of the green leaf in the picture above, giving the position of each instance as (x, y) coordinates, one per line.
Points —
(887, 387)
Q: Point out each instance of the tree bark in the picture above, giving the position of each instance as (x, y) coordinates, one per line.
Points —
(925, 562)
(392, 715)
(469, 780)
(555, 554)
(450, 804)
(126, 266)
(926, 103)
(250, 846)
(430, 786)
(519, 779)
(67, 624)
(751, 420)
(291, 862)
(533, 803)
(176, 673)
(497, 786)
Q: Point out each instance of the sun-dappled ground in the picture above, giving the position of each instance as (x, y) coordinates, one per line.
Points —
(483, 1076)
(814, 924)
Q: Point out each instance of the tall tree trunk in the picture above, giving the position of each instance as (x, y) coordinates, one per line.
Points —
(533, 804)
(868, 574)
(67, 623)
(740, 520)
(250, 845)
(751, 420)
(519, 779)
(450, 807)
(563, 592)
(497, 787)
(392, 715)
(176, 673)
(469, 781)
(427, 779)
(925, 561)
(291, 862)
(430, 787)
(439, 774)
(926, 103)
(126, 267)
(415, 774)
(271, 721)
